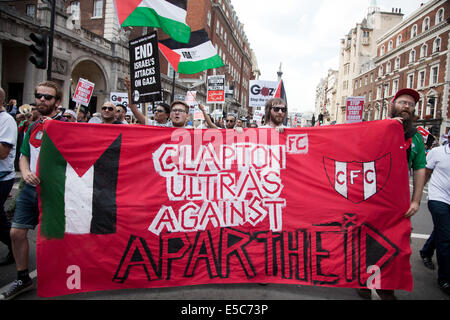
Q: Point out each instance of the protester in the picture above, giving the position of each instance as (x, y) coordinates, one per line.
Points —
(8, 139)
(107, 115)
(26, 216)
(276, 113)
(12, 107)
(70, 115)
(402, 109)
(83, 115)
(162, 111)
(179, 114)
(438, 169)
(121, 111)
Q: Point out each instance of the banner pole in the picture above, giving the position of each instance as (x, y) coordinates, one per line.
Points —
(173, 86)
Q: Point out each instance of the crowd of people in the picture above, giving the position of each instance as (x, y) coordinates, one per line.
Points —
(48, 97)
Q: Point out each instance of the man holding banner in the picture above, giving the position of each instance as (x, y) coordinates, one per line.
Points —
(48, 96)
(402, 109)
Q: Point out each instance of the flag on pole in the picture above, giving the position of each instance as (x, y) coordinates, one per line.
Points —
(280, 92)
(75, 201)
(169, 15)
(197, 55)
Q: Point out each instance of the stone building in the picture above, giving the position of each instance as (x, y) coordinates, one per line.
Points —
(357, 49)
(89, 44)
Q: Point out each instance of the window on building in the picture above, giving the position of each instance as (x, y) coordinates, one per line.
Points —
(390, 45)
(31, 10)
(437, 45)
(98, 9)
(380, 71)
(412, 56)
(431, 106)
(426, 24)
(423, 51)
(397, 63)
(421, 82)
(382, 50)
(208, 18)
(399, 40)
(434, 75)
(388, 67)
(410, 82)
(395, 86)
(440, 16)
(414, 31)
(218, 27)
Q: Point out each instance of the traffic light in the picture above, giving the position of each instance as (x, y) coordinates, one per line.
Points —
(40, 49)
(321, 119)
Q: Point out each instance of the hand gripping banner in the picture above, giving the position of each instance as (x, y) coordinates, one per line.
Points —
(147, 207)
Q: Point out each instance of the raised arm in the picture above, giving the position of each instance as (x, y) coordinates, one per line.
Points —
(139, 116)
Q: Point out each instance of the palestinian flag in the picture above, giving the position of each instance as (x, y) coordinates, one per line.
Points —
(169, 15)
(281, 93)
(75, 200)
(198, 55)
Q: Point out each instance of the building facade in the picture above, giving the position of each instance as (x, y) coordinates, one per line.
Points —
(357, 49)
(414, 54)
(89, 44)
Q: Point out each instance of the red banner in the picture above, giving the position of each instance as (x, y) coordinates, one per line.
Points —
(142, 207)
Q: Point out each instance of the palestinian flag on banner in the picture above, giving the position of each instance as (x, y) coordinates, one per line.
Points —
(81, 200)
(169, 15)
(198, 55)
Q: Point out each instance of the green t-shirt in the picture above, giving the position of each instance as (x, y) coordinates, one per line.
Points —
(417, 159)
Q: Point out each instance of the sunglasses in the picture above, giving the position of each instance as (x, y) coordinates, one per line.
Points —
(47, 97)
(108, 108)
(277, 109)
(159, 111)
(231, 121)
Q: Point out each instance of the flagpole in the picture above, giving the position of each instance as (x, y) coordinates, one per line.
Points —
(173, 86)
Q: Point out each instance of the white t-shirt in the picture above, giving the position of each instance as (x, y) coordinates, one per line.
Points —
(438, 160)
(8, 135)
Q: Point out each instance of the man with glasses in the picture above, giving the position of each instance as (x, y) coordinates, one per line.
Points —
(121, 112)
(179, 114)
(108, 114)
(162, 111)
(48, 96)
(230, 120)
(276, 112)
(403, 109)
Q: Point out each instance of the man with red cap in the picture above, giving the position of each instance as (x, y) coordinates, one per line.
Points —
(402, 109)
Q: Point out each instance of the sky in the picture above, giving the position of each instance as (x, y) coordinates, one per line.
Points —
(304, 36)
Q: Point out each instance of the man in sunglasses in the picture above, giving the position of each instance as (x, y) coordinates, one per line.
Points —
(230, 120)
(109, 113)
(48, 96)
(276, 113)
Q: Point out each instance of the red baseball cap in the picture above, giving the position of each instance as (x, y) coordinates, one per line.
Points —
(410, 92)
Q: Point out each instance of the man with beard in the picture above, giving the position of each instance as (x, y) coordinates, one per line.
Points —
(276, 112)
(402, 109)
(48, 97)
